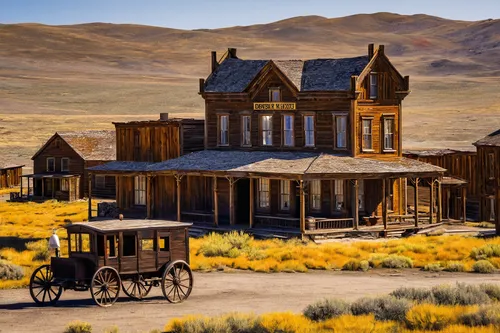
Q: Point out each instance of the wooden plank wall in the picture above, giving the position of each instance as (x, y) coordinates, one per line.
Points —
(192, 135)
(164, 197)
(10, 177)
(487, 186)
(109, 191)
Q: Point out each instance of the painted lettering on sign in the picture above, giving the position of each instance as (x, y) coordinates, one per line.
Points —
(274, 106)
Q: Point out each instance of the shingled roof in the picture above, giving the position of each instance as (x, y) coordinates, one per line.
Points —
(6, 165)
(492, 139)
(234, 75)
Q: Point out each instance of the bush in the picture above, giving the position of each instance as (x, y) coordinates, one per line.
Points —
(356, 265)
(484, 316)
(214, 245)
(286, 323)
(384, 308)
(461, 294)
(434, 267)
(244, 323)
(492, 290)
(485, 251)
(41, 249)
(395, 261)
(418, 295)
(454, 266)
(430, 317)
(78, 327)
(10, 271)
(239, 240)
(483, 267)
(326, 309)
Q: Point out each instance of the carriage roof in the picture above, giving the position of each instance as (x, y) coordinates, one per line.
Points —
(107, 226)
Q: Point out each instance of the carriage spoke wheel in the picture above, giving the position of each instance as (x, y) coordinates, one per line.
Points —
(42, 287)
(136, 288)
(105, 286)
(177, 282)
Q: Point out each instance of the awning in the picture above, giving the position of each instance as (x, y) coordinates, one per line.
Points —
(50, 175)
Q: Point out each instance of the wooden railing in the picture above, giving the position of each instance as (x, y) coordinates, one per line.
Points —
(343, 223)
(276, 221)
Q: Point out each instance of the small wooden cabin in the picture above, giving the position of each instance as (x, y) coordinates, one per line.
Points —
(488, 177)
(59, 166)
(10, 175)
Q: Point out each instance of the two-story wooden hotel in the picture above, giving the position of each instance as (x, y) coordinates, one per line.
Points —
(290, 139)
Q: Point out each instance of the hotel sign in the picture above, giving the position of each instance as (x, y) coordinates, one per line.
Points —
(274, 106)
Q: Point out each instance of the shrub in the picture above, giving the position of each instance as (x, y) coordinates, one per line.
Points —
(357, 324)
(433, 267)
(214, 245)
(10, 271)
(492, 290)
(78, 327)
(418, 295)
(326, 309)
(454, 266)
(485, 251)
(483, 267)
(461, 294)
(395, 261)
(356, 265)
(244, 323)
(41, 249)
(239, 240)
(286, 323)
(484, 316)
(254, 253)
(384, 308)
(431, 317)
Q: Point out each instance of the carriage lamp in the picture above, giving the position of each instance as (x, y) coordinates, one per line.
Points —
(54, 242)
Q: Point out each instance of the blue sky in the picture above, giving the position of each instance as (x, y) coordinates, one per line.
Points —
(194, 14)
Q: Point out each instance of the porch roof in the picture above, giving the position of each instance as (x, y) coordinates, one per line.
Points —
(122, 167)
(50, 175)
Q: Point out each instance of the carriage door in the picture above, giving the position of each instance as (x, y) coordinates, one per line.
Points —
(147, 251)
(111, 250)
(128, 254)
(163, 248)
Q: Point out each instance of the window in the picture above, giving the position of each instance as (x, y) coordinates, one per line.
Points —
(491, 166)
(339, 194)
(274, 94)
(361, 195)
(288, 131)
(246, 130)
(390, 196)
(267, 130)
(315, 193)
(223, 130)
(309, 131)
(388, 134)
(137, 146)
(341, 131)
(112, 246)
(492, 209)
(100, 181)
(285, 194)
(165, 243)
(140, 190)
(129, 246)
(100, 245)
(64, 164)
(148, 244)
(263, 193)
(367, 134)
(80, 242)
(64, 185)
(373, 86)
(51, 164)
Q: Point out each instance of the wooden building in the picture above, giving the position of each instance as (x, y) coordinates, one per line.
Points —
(59, 166)
(287, 140)
(488, 177)
(10, 175)
(141, 144)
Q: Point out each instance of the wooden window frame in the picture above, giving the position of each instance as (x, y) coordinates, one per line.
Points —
(336, 115)
(285, 185)
(314, 196)
(283, 131)
(139, 189)
(371, 94)
(260, 191)
(102, 183)
(304, 116)
(53, 159)
(271, 90)
(219, 130)
(363, 149)
(261, 130)
(243, 130)
(385, 118)
(62, 164)
(338, 190)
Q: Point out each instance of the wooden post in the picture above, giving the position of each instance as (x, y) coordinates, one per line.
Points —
(178, 186)
(90, 197)
(384, 204)
(148, 197)
(416, 202)
(302, 207)
(28, 194)
(355, 206)
(440, 203)
(464, 203)
(432, 200)
(21, 194)
(231, 200)
(43, 188)
(53, 188)
(252, 199)
(216, 203)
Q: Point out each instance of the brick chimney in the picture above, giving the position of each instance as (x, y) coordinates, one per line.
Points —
(370, 50)
(164, 116)
(231, 53)
(215, 64)
(381, 49)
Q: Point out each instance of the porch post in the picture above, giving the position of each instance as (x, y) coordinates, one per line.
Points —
(302, 207)
(440, 202)
(43, 187)
(28, 195)
(178, 185)
(216, 202)
(355, 206)
(148, 197)
(432, 200)
(231, 200)
(384, 203)
(53, 188)
(251, 202)
(90, 197)
(416, 202)
(464, 203)
(21, 194)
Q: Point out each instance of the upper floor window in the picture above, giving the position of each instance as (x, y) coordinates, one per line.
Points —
(367, 134)
(373, 86)
(340, 131)
(245, 131)
(288, 131)
(388, 134)
(140, 190)
(285, 194)
(267, 130)
(491, 166)
(309, 131)
(315, 194)
(263, 192)
(64, 164)
(223, 130)
(274, 94)
(339, 194)
(51, 164)
(137, 145)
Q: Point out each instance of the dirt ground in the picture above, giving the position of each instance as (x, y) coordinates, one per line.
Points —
(215, 293)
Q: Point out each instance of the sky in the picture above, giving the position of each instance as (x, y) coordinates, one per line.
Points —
(197, 14)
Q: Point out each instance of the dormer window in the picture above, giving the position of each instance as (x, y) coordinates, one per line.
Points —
(274, 94)
(373, 86)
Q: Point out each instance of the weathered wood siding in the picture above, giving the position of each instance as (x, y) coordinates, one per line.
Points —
(10, 177)
(109, 190)
(164, 194)
(488, 182)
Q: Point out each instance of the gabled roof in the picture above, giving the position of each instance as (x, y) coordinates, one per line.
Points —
(234, 75)
(89, 145)
(492, 139)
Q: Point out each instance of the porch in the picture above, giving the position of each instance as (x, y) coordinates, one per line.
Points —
(40, 187)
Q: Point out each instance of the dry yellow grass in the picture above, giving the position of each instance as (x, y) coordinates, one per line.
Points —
(4, 191)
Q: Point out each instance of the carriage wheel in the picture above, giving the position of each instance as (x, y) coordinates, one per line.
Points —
(105, 286)
(177, 282)
(136, 288)
(42, 287)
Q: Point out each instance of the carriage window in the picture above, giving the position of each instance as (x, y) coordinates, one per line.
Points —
(165, 243)
(112, 246)
(129, 245)
(73, 239)
(80, 242)
(100, 245)
(147, 244)
(85, 243)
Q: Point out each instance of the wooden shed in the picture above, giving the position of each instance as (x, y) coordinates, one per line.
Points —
(10, 175)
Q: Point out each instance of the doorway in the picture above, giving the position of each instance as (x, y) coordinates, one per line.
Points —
(242, 201)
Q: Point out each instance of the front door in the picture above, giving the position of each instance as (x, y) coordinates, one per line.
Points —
(243, 201)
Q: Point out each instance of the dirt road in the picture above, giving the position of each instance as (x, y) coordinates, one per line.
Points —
(214, 293)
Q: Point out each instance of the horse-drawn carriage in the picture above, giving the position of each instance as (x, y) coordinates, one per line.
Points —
(106, 257)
